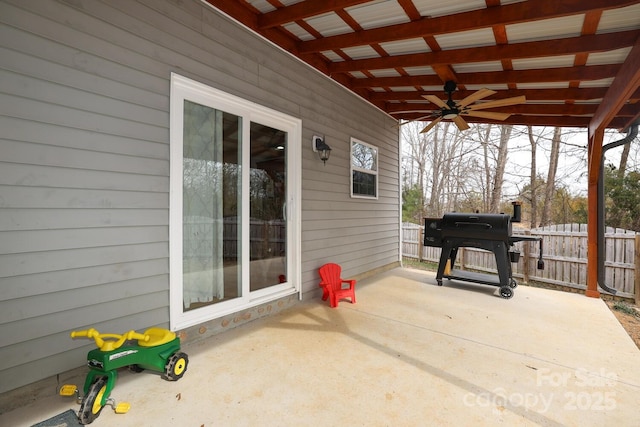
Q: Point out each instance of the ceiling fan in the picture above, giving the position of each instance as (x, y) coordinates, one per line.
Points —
(452, 110)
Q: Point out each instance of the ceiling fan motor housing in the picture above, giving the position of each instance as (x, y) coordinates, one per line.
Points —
(452, 111)
(449, 86)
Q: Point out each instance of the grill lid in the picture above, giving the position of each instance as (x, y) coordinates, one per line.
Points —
(476, 226)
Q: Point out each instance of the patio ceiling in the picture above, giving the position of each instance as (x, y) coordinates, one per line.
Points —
(563, 56)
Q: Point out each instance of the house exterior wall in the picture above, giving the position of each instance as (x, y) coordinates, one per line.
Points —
(84, 165)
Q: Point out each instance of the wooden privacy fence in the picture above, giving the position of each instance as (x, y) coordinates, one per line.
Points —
(564, 254)
(202, 236)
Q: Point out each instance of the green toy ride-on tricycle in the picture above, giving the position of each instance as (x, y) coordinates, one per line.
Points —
(157, 349)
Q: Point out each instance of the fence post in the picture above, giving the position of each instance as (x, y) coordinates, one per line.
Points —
(636, 272)
(420, 244)
(526, 254)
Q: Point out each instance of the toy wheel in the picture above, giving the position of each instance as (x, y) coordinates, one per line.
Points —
(513, 284)
(176, 366)
(506, 292)
(91, 405)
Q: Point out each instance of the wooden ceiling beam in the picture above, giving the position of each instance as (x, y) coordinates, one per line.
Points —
(578, 94)
(632, 120)
(483, 18)
(563, 121)
(529, 109)
(249, 18)
(623, 88)
(554, 121)
(237, 10)
(547, 75)
(303, 10)
(543, 48)
(620, 104)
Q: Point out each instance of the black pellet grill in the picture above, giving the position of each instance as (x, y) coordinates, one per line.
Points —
(491, 232)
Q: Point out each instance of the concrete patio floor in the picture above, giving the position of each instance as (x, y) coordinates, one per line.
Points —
(409, 353)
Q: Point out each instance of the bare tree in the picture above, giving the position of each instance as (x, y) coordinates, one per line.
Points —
(438, 163)
(486, 185)
(469, 170)
(534, 196)
(551, 176)
(417, 146)
(624, 158)
(501, 163)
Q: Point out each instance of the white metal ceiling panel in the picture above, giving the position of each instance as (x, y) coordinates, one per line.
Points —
(588, 101)
(545, 29)
(332, 56)
(265, 6)
(262, 5)
(543, 102)
(545, 85)
(361, 52)
(617, 56)
(492, 87)
(358, 75)
(433, 8)
(597, 83)
(478, 67)
(433, 89)
(379, 13)
(419, 71)
(403, 89)
(298, 31)
(624, 18)
(544, 62)
(389, 72)
(463, 39)
(403, 47)
(329, 24)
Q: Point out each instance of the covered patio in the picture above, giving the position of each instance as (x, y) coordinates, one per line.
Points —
(559, 64)
(408, 353)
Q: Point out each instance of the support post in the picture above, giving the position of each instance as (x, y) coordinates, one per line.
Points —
(637, 271)
(595, 151)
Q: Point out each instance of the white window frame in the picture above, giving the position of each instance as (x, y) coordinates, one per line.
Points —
(362, 170)
(183, 89)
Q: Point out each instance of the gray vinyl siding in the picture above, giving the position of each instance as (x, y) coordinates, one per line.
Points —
(84, 165)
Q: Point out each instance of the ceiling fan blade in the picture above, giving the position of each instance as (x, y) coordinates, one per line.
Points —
(488, 115)
(482, 93)
(435, 100)
(459, 121)
(411, 121)
(431, 125)
(499, 103)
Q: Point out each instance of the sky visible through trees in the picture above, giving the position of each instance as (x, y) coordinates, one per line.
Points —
(451, 170)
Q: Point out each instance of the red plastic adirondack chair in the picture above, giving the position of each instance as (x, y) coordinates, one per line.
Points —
(331, 284)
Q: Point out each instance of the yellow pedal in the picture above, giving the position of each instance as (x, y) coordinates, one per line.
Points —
(122, 408)
(68, 390)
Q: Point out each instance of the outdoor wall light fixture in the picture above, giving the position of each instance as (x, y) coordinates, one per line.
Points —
(321, 147)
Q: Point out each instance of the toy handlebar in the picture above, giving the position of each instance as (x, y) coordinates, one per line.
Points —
(114, 340)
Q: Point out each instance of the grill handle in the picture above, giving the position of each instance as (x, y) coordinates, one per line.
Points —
(473, 224)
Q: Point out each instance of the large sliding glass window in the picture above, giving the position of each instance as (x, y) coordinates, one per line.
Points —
(210, 200)
(234, 198)
(268, 192)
